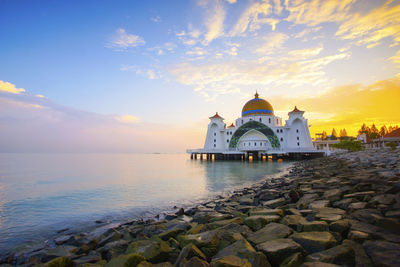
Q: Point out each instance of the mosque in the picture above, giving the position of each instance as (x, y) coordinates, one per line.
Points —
(258, 134)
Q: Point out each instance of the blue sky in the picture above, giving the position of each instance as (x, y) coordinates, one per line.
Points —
(171, 64)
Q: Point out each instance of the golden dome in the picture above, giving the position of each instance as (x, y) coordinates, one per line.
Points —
(257, 106)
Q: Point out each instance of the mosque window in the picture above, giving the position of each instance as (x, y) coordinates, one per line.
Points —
(281, 131)
(227, 133)
(215, 134)
(269, 120)
(277, 121)
(298, 144)
(227, 140)
(260, 144)
(215, 140)
(260, 120)
(242, 121)
(214, 145)
(255, 144)
(297, 130)
(277, 130)
(231, 133)
(244, 144)
(281, 139)
(249, 144)
(298, 138)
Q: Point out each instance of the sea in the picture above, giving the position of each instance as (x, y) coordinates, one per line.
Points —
(42, 195)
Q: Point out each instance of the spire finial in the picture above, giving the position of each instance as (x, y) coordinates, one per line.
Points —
(256, 95)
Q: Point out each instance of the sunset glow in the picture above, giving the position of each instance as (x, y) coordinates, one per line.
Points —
(141, 76)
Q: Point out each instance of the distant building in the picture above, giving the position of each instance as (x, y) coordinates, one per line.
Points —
(258, 132)
(392, 137)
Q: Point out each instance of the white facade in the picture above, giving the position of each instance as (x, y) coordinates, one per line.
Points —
(254, 132)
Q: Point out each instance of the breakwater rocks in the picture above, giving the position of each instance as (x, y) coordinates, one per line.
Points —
(342, 210)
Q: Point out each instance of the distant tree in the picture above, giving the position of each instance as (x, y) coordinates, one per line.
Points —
(363, 129)
(383, 130)
(374, 133)
(349, 145)
(324, 135)
(334, 134)
(390, 129)
(343, 133)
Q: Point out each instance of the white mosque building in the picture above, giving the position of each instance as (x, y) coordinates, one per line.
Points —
(258, 133)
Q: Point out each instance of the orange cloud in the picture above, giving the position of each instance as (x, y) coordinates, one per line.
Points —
(350, 106)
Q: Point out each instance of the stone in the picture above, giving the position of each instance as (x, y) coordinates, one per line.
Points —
(366, 215)
(92, 257)
(358, 236)
(231, 261)
(389, 224)
(341, 255)
(155, 251)
(383, 253)
(133, 260)
(360, 195)
(217, 224)
(196, 262)
(170, 233)
(314, 226)
(344, 203)
(319, 264)
(387, 199)
(243, 250)
(258, 221)
(357, 205)
(319, 204)
(328, 214)
(314, 241)
(293, 220)
(341, 226)
(393, 214)
(270, 232)
(206, 217)
(274, 203)
(333, 195)
(265, 211)
(208, 241)
(246, 200)
(279, 249)
(293, 260)
(305, 200)
(188, 252)
(292, 211)
(361, 258)
(60, 262)
(60, 251)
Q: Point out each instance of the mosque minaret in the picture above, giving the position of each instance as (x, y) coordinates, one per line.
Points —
(257, 133)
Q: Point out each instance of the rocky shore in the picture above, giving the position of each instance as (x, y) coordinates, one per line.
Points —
(342, 210)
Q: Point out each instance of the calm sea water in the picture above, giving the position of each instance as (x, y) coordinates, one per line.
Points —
(43, 193)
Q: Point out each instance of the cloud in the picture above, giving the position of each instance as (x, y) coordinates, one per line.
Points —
(305, 53)
(396, 58)
(124, 40)
(348, 106)
(198, 51)
(156, 19)
(231, 1)
(214, 22)
(10, 88)
(253, 17)
(128, 119)
(272, 42)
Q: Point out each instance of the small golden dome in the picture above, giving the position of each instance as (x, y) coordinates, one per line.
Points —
(257, 106)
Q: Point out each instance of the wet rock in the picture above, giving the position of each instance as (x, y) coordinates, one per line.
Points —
(366, 215)
(344, 203)
(333, 195)
(170, 233)
(188, 252)
(265, 211)
(292, 211)
(341, 255)
(314, 226)
(154, 250)
(270, 232)
(222, 223)
(358, 236)
(360, 195)
(208, 241)
(329, 214)
(279, 249)
(387, 199)
(357, 206)
(205, 217)
(305, 200)
(294, 195)
(60, 251)
(231, 261)
(246, 200)
(393, 214)
(341, 226)
(319, 204)
(90, 258)
(361, 258)
(293, 220)
(319, 264)
(258, 221)
(196, 262)
(293, 260)
(60, 262)
(274, 203)
(314, 241)
(383, 253)
(243, 250)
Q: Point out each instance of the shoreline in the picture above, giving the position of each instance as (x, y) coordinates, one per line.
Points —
(342, 209)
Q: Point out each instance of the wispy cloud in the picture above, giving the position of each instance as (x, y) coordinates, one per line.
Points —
(272, 42)
(123, 40)
(156, 19)
(214, 22)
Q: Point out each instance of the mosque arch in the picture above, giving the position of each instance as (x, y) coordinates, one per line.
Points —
(254, 125)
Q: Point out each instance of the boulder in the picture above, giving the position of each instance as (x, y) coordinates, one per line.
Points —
(269, 232)
(231, 261)
(333, 195)
(60, 262)
(154, 250)
(206, 217)
(361, 258)
(217, 224)
(319, 204)
(265, 211)
(341, 255)
(188, 252)
(314, 226)
(279, 249)
(293, 220)
(197, 262)
(319, 264)
(293, 260)
(360, 195)
(341, 226)
(383, 253)
(305, 200)
(274, 203)
(258, 221)
(243, 250)
(386, 199)
(314, 241)
(208, 241)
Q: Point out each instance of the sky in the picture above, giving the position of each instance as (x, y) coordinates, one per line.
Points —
(144, 76)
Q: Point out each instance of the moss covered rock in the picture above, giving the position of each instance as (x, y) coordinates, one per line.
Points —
(60, 262)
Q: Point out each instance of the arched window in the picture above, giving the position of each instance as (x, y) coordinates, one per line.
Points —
(277, 130)
(215, 134)
(269, 120)
(281, 139)
(227, 133)
(215, 140)
(298, 138)
(297, 130)
(227, 140)
(242, 121)
(249, 144)
(214, 145)
(298, 144)
(260, 120)
(260, 144)
(255, 144)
